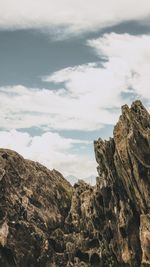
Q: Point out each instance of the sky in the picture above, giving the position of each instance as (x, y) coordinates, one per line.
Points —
(66, 68)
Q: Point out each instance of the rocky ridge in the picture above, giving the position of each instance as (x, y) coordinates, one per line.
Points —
(45, 222)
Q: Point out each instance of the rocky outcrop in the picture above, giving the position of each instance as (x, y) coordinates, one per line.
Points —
(116, 212)
(34, 202)
(124, 184)
(45, 222)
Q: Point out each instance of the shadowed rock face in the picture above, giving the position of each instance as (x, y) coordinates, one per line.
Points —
(45, 222)
(34, 202)
(124, 186)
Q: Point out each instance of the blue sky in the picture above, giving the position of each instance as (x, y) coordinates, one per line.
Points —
(65, 70)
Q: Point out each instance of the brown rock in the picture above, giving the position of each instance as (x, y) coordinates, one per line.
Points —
(33, 203)
(45, 222)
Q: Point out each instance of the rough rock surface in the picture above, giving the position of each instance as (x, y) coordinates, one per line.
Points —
(34, 202)
(45, 222)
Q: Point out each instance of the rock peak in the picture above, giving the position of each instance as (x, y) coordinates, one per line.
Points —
(124, 172)
(44, 222)
(137, 104)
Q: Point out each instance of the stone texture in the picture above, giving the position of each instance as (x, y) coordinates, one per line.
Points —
(34, 202)
(45, 222)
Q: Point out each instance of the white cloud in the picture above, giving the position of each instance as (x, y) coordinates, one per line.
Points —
(131, 55)
(75, 15)
(64, 109)
(92, 94)
(52, 150)
(91, 97)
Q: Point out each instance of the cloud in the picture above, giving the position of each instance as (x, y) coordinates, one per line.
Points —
(52, 150)
(63, 109)
(92, 93)
(91, 97)
(131, 56)
(70, 15)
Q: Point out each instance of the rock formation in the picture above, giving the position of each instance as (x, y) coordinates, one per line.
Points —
(44, 222)
(34, 202)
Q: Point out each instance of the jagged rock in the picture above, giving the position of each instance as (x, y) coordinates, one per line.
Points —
(33, 203)
(145, 238)
(45, 222)
(124, 183)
